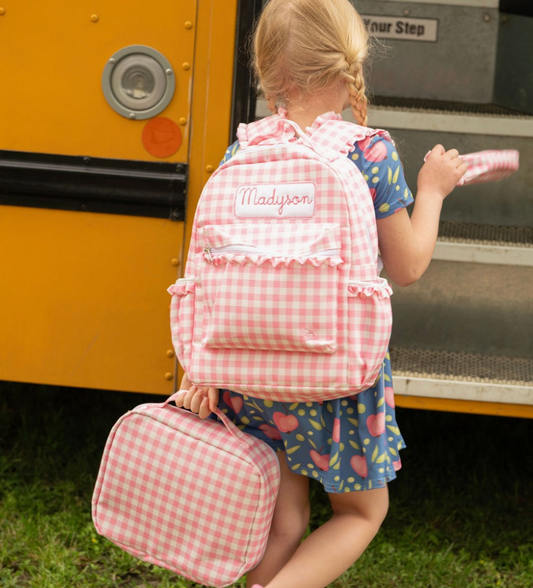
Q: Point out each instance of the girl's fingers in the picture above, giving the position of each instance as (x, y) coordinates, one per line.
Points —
(452, 153)
(204, 411)
(199, 400)
(188, 397)
(179, 398)
(186, 401)
(213, 395)
(462, 165)
(196, 401)
(438, 150)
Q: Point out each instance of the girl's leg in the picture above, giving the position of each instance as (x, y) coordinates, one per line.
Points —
(335, 546)
(291, 517)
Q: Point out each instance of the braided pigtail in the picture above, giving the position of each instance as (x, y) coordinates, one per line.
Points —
(302, 48)
(357, 90)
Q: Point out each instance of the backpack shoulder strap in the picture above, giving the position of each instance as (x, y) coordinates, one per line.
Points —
(340, 135)
(328, 131)
(271, 130)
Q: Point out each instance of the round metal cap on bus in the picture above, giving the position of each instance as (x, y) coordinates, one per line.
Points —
(138, 82)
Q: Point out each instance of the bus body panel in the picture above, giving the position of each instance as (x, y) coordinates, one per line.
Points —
(83, 300)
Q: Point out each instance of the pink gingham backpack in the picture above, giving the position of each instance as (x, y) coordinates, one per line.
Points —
(282, 297)
(193, 496)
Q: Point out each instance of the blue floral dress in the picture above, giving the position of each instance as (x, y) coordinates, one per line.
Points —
(351, 443)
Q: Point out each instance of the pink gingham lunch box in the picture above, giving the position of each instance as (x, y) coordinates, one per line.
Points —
(190, 495)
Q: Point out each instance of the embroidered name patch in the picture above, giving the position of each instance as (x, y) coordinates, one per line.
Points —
(275, 200)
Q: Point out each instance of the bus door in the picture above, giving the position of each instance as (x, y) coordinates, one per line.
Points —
(453, 72)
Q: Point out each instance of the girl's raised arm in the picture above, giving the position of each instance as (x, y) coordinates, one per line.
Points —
(406, 244)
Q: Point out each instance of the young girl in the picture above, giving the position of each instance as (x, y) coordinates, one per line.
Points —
(308, 56)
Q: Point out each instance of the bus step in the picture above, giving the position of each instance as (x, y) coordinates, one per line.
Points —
(445, 106)
(482, 243)
(481, 234)
(462, 376)
(448, 117)
(468, 367)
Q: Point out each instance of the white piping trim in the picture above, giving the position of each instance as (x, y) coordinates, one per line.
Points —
(462, 390)
(466, 124)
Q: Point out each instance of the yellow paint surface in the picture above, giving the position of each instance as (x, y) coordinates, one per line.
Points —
(465, 406)
(83, 299)
(53, 56)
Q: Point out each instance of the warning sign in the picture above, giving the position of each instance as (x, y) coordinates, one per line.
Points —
(403, 28)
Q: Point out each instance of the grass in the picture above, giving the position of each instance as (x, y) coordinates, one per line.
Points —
(461, 510)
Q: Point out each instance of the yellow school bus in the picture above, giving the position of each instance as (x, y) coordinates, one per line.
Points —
(114, 114)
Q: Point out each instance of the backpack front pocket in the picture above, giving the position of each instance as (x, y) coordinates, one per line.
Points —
(270, 287)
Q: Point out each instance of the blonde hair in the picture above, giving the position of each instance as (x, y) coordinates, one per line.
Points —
(305, 46)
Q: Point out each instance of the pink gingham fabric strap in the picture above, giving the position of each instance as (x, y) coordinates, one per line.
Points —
(488, 166)
(230, 426)
(329, 131)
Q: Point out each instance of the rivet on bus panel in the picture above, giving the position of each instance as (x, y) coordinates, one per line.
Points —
(170, 353)
(182, 121)
(95, 18)
(186, 65)
(188, 24)
(209, 169)
(2, 11)
(175, 261)
(168, 376)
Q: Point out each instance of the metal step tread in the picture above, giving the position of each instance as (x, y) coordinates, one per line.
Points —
(445, 106)
(466, 367)
(482, 243)
(482, 234)
(438, 116)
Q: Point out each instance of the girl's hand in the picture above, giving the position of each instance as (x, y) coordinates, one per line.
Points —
(200, 400)
(407, 243)
(441, 172)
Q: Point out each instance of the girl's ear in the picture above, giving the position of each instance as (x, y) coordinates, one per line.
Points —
(271, 103)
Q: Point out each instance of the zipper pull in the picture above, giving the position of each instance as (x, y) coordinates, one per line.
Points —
(207, 253)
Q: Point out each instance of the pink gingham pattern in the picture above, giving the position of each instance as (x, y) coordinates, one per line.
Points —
(285, 307)
(488, 166)
(193, 496)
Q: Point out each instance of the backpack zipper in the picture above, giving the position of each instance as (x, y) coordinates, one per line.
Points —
(244, 249)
